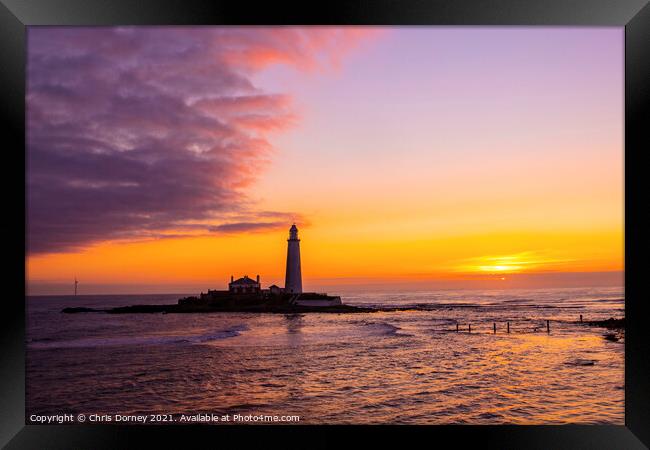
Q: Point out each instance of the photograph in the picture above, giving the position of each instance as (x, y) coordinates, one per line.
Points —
(325, 225)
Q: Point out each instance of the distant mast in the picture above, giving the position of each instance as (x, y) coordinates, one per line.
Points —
(293, 279)
(75, 285)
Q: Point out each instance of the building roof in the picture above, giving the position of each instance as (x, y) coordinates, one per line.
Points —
(244, 280)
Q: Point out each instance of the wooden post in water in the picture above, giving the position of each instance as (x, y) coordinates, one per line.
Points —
(494, 326)
(548, 327)
(508, 327)
(580, 318)
(469, 328)
(456, 327)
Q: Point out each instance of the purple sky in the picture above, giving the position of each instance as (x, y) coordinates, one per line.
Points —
(145, 132)
(136, 131)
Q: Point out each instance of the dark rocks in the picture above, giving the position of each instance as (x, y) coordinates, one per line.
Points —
(581, 362)
(610, 323)
(227, 307)
(80, 310)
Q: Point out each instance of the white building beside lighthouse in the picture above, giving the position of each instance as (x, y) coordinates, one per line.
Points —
(293, 277)
(249, 292)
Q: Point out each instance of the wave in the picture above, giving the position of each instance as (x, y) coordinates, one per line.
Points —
(49, 343)
(387, 329)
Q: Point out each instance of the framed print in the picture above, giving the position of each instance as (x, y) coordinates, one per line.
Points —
(248, 223)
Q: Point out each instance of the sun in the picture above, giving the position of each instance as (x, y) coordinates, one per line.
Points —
(499, 264)
(500, 268)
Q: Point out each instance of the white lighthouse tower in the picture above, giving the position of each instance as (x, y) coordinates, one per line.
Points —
(293, 279)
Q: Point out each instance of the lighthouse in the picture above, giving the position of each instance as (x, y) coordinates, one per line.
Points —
(293, 279)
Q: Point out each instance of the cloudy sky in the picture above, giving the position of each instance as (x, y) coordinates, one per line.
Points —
(170, 158)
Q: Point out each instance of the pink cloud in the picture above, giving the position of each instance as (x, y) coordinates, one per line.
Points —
(138, 130)
(307, 48)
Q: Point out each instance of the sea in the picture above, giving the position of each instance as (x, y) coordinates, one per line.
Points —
(440, 362)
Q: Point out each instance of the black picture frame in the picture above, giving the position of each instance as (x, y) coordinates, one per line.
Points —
(16, 15)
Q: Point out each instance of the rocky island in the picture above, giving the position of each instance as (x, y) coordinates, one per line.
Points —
(280, 303)
(246, 295)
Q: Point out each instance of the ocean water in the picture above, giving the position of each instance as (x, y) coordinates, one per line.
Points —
(409, 367)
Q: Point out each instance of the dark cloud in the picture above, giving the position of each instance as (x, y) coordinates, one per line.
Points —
(141, 132)
(239, 227)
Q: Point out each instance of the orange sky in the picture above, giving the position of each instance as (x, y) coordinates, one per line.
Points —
(400, 165)
(365, 254)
